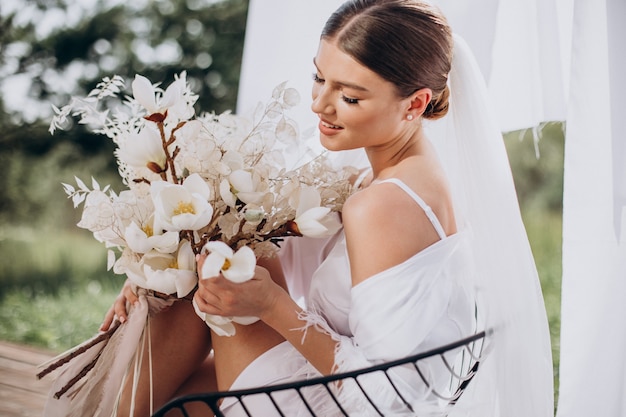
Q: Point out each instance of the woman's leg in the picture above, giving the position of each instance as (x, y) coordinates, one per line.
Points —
(201, 381)
(182, 362)
(233, 354)
(180, 342)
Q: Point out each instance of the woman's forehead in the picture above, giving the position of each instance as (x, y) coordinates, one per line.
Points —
(339, 67)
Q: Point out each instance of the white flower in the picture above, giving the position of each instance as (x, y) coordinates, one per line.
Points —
(144, 149)
(312, 219)
(219, 178)
(235, 266)
(142, 239)
(166, 273)
(243, 185)
(145, 93)
(182, 207)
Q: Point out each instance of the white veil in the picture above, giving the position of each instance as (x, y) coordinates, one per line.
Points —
(515, 378)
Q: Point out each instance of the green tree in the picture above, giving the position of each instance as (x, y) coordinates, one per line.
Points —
(53, 49)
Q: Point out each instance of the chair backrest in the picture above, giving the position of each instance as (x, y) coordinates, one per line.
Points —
(467, 357)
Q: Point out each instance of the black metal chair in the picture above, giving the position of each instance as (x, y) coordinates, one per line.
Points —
(469, 351)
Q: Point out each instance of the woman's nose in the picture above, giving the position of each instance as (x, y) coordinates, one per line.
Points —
(321, 103)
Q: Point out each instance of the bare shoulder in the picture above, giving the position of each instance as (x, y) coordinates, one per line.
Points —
(366, 206)
(383, 228)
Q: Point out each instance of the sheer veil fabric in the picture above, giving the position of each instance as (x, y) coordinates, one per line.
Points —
(515, 379)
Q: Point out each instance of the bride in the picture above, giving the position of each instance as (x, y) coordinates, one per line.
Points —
(433, 235)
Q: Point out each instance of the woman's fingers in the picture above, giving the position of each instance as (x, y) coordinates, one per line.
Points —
(207, 300)
(108, 319)
(219, 296)
(118, 309)
(129, 294)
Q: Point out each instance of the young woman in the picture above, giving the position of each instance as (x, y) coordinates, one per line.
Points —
(422, 246)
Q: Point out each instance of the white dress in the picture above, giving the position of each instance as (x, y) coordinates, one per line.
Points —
(419, 304)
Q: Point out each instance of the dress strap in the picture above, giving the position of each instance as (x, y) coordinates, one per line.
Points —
(429, 211)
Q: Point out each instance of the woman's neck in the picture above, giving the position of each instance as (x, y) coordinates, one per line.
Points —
(385, 157)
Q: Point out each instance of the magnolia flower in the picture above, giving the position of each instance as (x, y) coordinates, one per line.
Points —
(144, 149)
(235, 266)
(242, 185)
(182, 207)
(143, 240)
(164, 272)
(145, 93)
(313, 220)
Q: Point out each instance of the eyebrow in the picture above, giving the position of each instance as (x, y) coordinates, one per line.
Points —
(344, 83)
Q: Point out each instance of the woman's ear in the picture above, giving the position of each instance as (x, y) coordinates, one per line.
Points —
(419, 100)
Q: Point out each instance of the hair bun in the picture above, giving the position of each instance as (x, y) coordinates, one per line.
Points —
(438, 106)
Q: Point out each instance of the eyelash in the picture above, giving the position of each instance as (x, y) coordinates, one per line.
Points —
(317, 79)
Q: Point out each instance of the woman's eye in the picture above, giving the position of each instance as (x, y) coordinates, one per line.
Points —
(317, 79)
(350, 100)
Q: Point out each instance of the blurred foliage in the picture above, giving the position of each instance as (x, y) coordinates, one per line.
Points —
(536, 158)
(65, 47)
(55, 322)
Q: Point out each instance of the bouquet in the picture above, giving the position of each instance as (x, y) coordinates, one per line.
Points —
(227, 185)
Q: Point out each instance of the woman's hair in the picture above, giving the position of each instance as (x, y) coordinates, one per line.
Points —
(406, 42)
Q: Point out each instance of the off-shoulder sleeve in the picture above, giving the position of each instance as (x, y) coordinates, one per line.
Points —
(407, 309)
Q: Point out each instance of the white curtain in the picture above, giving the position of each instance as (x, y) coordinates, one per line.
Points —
(543, 60)
(593, 333)
(516, 43)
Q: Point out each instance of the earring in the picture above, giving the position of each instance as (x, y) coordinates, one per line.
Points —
(409, 117)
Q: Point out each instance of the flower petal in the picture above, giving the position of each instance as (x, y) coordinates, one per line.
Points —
(222, 326)
(186, 257)
(219, 247)
(172, 94)
(241, 181)
(245, 320)
(242, 265)
(196, 185)
(212, 265)
(185, 281)
(228, 197)
(143, 91)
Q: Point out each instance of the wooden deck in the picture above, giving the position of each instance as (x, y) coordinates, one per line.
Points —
(21, 393)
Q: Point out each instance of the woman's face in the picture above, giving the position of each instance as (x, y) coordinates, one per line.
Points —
(357, 108)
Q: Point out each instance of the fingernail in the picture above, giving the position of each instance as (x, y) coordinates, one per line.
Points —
(122, 319)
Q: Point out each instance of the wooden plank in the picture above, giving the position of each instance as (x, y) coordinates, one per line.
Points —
(15, 402)
(24, 354)
(21, 393)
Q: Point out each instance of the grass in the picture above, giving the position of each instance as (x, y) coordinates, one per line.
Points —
(544, 232)
(54, 287)
(56, 322)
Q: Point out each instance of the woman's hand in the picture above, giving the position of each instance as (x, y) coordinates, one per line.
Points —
(118, 309)
(219, 296)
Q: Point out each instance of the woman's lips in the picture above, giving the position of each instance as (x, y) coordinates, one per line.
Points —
(328, 128)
